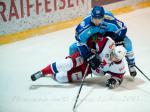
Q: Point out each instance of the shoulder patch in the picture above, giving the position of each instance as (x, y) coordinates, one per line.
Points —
(119, 23)
(82, 24)
(108, 17)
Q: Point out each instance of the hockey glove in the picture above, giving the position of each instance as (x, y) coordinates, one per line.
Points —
(94, 61)
(113, 82)
(114, 36)
(110, 34)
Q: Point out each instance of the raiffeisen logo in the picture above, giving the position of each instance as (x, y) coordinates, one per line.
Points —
(25, 8)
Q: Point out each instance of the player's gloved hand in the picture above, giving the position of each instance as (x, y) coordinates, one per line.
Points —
(113, 82)
(94, 61)
(110, 34)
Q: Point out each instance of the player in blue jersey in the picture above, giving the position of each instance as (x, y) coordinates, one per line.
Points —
(103, 22)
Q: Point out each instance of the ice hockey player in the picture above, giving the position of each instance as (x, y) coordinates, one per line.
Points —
(102, 21)
(105, 58)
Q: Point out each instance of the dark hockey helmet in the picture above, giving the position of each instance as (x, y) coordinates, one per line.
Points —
(97, 12)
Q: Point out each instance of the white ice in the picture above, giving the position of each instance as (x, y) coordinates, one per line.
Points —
(20, 59)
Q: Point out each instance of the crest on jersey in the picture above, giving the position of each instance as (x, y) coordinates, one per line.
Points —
(119, 23)
(108, 17)
(82, 24)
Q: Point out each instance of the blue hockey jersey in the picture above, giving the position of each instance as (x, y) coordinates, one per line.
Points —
(109, 24)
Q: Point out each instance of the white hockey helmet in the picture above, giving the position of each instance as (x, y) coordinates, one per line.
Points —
(119, 52)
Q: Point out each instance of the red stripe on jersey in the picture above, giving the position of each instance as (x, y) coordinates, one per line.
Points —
(73, 57)
(100, 40)
(101, 44)
(75, 70)
(116, 74)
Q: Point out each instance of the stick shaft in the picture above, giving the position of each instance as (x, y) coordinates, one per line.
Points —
(143, 73)
(85, 73)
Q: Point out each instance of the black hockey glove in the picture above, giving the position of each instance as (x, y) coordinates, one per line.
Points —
(114, 36)
(94, 61)
(113, 82)
(110, 34)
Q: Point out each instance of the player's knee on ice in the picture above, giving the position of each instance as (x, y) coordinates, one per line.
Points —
(64, 77)
(64, 65)
(61, 77)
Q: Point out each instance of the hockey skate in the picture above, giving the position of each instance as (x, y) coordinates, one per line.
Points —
(36, 75)
(132, 71)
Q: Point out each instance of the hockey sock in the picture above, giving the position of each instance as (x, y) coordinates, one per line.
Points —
(47, 70)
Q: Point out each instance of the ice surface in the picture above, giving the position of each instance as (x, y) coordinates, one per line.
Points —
(20, 59)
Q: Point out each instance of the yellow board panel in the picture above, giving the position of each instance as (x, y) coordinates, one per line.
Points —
(4, 39)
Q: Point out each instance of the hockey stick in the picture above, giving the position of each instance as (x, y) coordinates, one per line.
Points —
(143, 73)
(85, 73)
(122, 43)
(140, 70)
